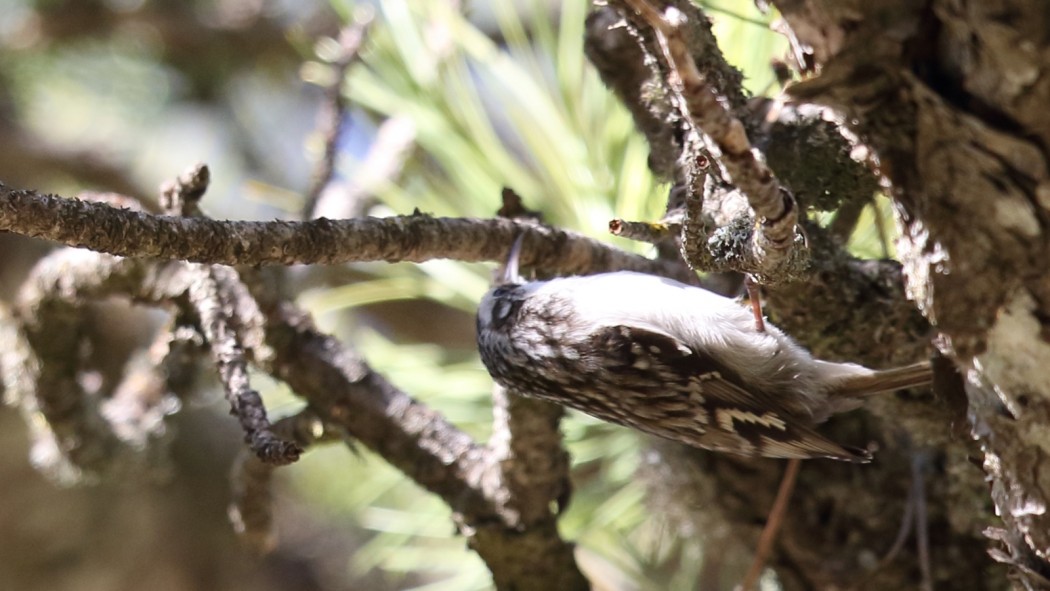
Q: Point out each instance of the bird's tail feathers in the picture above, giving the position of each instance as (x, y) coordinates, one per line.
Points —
(886, 380)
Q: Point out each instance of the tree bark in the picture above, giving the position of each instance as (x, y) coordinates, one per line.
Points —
(950, 95)
(943, 97)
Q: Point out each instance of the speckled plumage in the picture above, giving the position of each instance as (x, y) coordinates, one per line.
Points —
(671, 360)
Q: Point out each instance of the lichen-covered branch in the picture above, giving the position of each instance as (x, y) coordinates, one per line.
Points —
(213, 293)
(774, 206)
(344, 390)
(154, 384)
(227, 314)
(951, 107)
(803, 144)
(413, 238)
(845, 309)
(528, 459)
(624, 52)
(80, 443)
(651, 232)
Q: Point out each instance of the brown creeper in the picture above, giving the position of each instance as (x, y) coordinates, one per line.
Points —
(674, 361)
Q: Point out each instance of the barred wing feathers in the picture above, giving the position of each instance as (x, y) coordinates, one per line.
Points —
(698, 401)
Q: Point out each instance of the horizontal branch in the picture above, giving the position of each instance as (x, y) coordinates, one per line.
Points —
(413, 238)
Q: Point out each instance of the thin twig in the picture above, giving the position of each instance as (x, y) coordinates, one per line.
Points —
(208, 293)
(776, 518)
(65, 450)
(182, 195)
(650, 232)
(344, 390)
(787, 483)
(907, 526)
(846, 219)
(50, 310)
(922, 524)
(513, 207)
(220, 300)
(880, 227)
(333, 108)
(351, 197)
(154, 381)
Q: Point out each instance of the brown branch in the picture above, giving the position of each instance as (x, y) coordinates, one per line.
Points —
(77, 438)
(338, 383)
(251, 510)
(414, 238)
(515, 488)
(650, 232)
(182, 195)
(59, 452)
(769, 532)
(774, 206)
(334, 379)
(954, 169)
(617, 54)
(615, 46)
(153, 383)
(526, 457)
(227, 314)
(345, 392)
(49, 309)
(847, 309)
(218, 297)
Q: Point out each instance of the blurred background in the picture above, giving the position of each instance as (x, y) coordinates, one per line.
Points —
(449, 102)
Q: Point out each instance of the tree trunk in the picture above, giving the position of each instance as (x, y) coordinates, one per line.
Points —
(951, 97)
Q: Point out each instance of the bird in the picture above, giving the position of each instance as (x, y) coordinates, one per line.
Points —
(672, 360)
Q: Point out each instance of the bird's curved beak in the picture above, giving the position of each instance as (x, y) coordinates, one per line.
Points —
(511, 268)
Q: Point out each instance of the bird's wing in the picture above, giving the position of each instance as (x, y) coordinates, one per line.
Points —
(686, 395)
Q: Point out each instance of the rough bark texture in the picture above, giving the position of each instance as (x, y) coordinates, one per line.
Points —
(951, 97)
(412, 238)
(920, 85)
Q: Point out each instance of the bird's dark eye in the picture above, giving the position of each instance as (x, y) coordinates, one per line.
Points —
(504, 301)
(501, 310)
